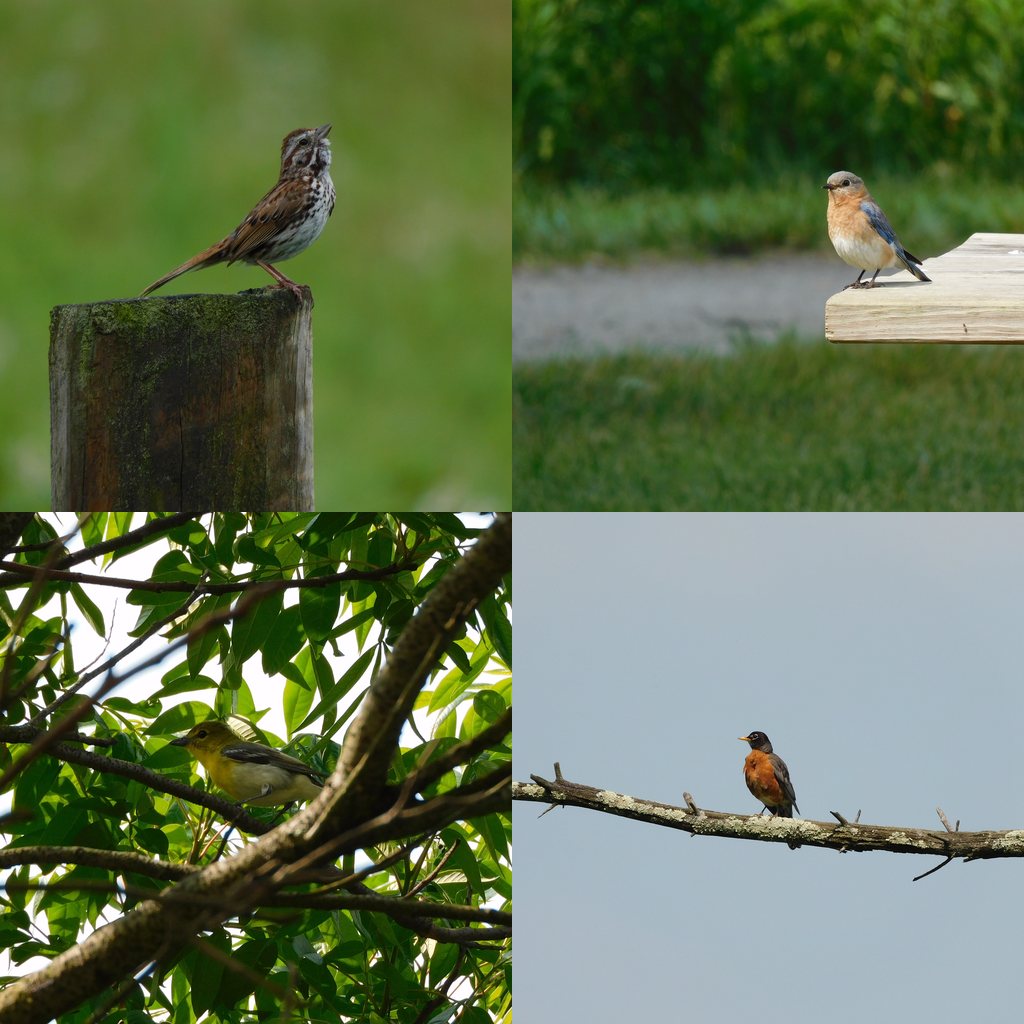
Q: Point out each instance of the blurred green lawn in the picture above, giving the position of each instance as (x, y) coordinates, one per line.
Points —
(932, 215)
(787, 427)
(138, 132)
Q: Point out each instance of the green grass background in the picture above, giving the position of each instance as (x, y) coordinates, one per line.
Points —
(934, 214)
(780, 428)
(138, 132)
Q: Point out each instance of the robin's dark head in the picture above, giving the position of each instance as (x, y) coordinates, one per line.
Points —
(758, 741)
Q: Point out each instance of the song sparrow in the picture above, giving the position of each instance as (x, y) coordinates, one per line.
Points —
(288, 219)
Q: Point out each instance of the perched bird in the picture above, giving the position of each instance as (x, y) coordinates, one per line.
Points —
(249, 772)
(287, 220)
(861, 232)
(767, 776)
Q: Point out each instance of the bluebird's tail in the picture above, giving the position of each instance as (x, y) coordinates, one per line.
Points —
(912, 263)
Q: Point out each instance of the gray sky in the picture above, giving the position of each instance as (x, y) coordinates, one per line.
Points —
(881, 653)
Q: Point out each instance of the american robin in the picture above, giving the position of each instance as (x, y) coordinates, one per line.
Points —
(767, 776)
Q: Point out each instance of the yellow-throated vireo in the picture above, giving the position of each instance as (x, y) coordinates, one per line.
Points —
(249, 772)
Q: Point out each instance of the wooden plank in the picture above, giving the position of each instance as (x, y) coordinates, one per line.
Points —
(976, 297)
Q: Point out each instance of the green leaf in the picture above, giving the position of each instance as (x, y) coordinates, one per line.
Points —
(329, 525)
(352, 622)
(153, 840)
(459, 656)
(341, 687)
(489, 705)
(172, 567)
(448, 691)
(183, 684)
(319, 608)
(297, 700)
(499, 629)
(248, 632)
(92, 528)
(180, 719)
(207, 973)
(249, 551)
(226, 527)
(88, 608)
(284, 641)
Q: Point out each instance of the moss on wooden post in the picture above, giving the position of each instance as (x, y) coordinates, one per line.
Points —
(188, 401)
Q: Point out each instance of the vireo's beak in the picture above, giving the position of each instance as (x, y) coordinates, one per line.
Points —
(181, 741)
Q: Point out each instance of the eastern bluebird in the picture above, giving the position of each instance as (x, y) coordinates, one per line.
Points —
(861, 232)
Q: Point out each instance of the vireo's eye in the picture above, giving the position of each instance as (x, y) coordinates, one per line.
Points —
(202, 734)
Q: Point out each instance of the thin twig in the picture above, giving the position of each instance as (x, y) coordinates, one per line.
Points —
(56, 732)
(16, 571)
(938, 867)
(40, 718)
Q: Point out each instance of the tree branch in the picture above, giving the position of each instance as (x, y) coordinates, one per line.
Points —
(18, 574)
(128, 769)
(842, 837)
(372, 739)
(463, 751)
(121, 861)
(158, 928)
(154, 528)
(40, 717)
(255, 593)
(12, 526)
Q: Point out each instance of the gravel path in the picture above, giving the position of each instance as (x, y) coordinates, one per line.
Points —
(670, 306)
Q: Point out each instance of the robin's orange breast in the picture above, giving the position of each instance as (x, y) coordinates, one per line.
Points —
(759, 773)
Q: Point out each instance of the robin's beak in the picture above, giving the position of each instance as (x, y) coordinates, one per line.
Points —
(744, 739)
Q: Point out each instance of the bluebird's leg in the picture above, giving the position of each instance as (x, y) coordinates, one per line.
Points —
(856, 284)
(871, 283)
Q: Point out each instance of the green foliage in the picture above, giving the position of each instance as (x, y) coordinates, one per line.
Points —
(790, 427)
(324, 964)
(686, 93)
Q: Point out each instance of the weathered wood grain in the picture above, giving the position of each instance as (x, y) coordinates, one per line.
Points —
(975, 297)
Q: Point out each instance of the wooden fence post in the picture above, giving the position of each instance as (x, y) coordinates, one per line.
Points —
(189, 401)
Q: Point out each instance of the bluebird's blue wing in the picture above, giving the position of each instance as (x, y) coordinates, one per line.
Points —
(880, 222)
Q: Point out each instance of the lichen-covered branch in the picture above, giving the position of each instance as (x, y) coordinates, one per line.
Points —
(848, 837)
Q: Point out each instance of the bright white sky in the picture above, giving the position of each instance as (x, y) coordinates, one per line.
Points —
(883, 656)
